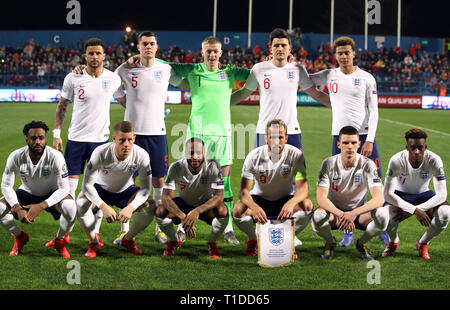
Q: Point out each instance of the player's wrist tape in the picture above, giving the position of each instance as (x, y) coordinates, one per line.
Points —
(56, 133)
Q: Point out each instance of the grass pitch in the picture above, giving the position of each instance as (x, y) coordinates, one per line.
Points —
(191, 268)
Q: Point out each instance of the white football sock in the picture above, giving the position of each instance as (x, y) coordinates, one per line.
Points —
(247, 225)
(98, 220)
(86, 218)
(166, 226)
(157, 193)
(125, 226)
(218, 226)
(7, 221)
(301, 220)
(73, 184)
(142, 219)
(68, 217)
(378, 224)
(321, 225)
(438, 224)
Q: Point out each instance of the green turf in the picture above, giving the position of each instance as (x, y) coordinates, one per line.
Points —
(191, 268)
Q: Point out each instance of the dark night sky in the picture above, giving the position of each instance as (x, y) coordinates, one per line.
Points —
(419, 18)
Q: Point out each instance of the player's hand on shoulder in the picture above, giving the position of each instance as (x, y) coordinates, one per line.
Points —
(125, 214)
(78, 69)
(108, 213)
(133, 61)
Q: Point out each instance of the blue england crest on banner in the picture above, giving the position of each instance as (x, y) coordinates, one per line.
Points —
(276, 236)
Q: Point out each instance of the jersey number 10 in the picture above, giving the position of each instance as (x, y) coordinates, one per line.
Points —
(333, 87)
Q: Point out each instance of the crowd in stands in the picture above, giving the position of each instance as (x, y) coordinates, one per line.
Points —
(396, 70)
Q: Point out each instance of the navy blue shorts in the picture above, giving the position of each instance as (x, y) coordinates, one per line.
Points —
(157, 149)
(271, 208)
(375, 155)
(26, 198)
(119, 200)
(295, 140)
(188, 208)
(417, 199)
(77, 154)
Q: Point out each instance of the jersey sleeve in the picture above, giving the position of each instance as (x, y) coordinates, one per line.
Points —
(62, 180)
(372, 104)
(300, 166)
(371, 171)
(175, 79)
(304, 80)
(182, 69)
(119, 93)
(252, 82)
(248, 169)
(240, 74)
(323, 180)
(90, 176)
(216, 176)
(320, 78)
(145, 180)
(8, 179)
(171, 177)
(68, 88)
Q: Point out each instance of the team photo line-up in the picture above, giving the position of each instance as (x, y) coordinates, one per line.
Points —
(276, 166)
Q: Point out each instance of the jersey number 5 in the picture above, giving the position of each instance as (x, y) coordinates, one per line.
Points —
(134, 81)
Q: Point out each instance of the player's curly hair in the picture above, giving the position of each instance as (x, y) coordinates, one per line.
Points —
(35, 124)
(415, 133)
(343, 41)
(95, 42)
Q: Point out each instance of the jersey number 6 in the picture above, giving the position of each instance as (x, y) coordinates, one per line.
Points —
(266, 83)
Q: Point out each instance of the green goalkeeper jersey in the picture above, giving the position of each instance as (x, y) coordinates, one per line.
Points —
(210, 94)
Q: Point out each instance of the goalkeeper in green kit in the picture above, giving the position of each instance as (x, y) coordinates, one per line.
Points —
(210, 119)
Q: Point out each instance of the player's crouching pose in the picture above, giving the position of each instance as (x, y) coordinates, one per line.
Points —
(406, 191)
(108, 180)
(201, 193)
(45, 186)
(342, 186)
(274, 167)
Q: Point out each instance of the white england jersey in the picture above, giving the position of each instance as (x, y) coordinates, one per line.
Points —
(278, 93)
(146, 91)
(49, 174)
(91, 99)
(353, 99)
(274, 180)
(194, 189)
(116, 176)
(414, 181)
(348, 188)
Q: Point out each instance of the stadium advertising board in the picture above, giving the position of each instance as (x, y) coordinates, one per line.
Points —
(399, 101)
(53, 95)
(435, 102)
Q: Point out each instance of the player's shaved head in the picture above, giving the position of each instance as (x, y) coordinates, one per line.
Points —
(415, 133)
(123, 126)
(344, 41)
(95, 42)
(146, 34)
(34, 124)
(279, 33)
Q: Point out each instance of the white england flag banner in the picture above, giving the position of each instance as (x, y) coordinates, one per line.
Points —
(276, 243)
